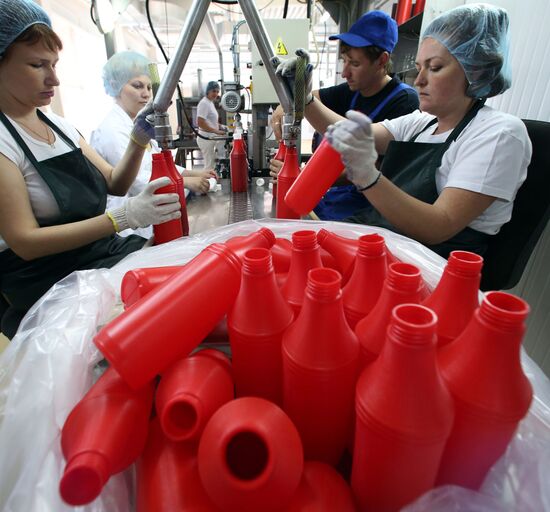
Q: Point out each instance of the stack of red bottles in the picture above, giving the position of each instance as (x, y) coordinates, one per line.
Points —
(424, 415)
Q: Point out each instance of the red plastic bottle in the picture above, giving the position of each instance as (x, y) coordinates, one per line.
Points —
(250, 457)
(168, 476)
(344, 250)
(318, 175)
(287, 176)
(341, 248)
(365, 283)
(402, 285)
(322, 489)
(455, 298)
(172, 229)
(403, 12)
(140, 281)
(280, 155)
(238, 166)
(191, 391)
(404, 415)
(177, 178)
(305, 256)
(418, 7)
(282, 249)
(103, 434)
(264, 237)
(483, 372)
(320, 356)
(171, 320)
(255, 333)
(280, 252)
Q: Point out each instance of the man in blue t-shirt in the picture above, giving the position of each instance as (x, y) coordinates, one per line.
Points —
(366, 51)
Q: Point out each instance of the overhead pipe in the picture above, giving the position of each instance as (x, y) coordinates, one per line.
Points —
(212, 31)
(189, 32)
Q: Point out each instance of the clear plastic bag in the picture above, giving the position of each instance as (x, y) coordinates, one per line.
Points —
(51, 362)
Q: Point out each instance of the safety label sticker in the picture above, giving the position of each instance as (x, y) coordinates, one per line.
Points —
(280, 48)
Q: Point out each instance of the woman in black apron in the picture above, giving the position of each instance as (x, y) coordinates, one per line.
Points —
(81, 235)
(461, 61)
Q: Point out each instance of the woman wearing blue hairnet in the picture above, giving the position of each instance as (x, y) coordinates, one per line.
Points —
(126, 79)
(452, 169)
(53, 185)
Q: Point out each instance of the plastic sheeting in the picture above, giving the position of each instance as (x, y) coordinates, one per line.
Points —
(52, 361)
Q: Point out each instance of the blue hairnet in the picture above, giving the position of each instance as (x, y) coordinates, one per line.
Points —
(16, 16)
(212, 86)
(477, 37)
(121, 68)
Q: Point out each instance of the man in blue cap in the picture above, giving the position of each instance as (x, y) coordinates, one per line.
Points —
(366, 52)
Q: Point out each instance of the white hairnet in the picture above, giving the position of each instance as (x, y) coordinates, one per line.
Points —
(16, 16)
(121, 68)
(477, 37)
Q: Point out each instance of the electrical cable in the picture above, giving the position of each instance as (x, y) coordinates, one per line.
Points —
(285, 9)
(320, 60)
(92, 12)
(238, 12)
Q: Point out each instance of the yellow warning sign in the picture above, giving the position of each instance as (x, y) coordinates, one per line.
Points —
(280, 48)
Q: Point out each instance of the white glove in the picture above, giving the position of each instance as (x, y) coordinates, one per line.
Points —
(287, 69)
(147, 208)
(353, 139)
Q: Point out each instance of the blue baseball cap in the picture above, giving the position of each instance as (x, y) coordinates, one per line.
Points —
(374, 28)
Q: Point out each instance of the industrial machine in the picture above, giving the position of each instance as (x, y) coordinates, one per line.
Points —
(266, 59)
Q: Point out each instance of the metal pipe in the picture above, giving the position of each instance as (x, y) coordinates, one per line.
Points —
(259, 34)
(212, 30)
(189, 32)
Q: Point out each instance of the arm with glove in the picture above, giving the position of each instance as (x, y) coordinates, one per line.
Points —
(319, 116)
(120, 177)
(354, 138)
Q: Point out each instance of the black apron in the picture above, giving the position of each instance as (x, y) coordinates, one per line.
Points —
(412, 167)
(81, 193)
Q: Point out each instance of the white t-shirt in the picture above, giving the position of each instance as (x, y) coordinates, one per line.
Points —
(43, 203)
(490, 157)
(207, 110)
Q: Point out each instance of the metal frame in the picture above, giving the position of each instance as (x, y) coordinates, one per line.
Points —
(196, 15)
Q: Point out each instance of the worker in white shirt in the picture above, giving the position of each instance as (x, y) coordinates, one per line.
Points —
(210, 128)
(126, 79)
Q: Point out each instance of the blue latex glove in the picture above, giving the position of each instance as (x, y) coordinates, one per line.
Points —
(144, 126)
